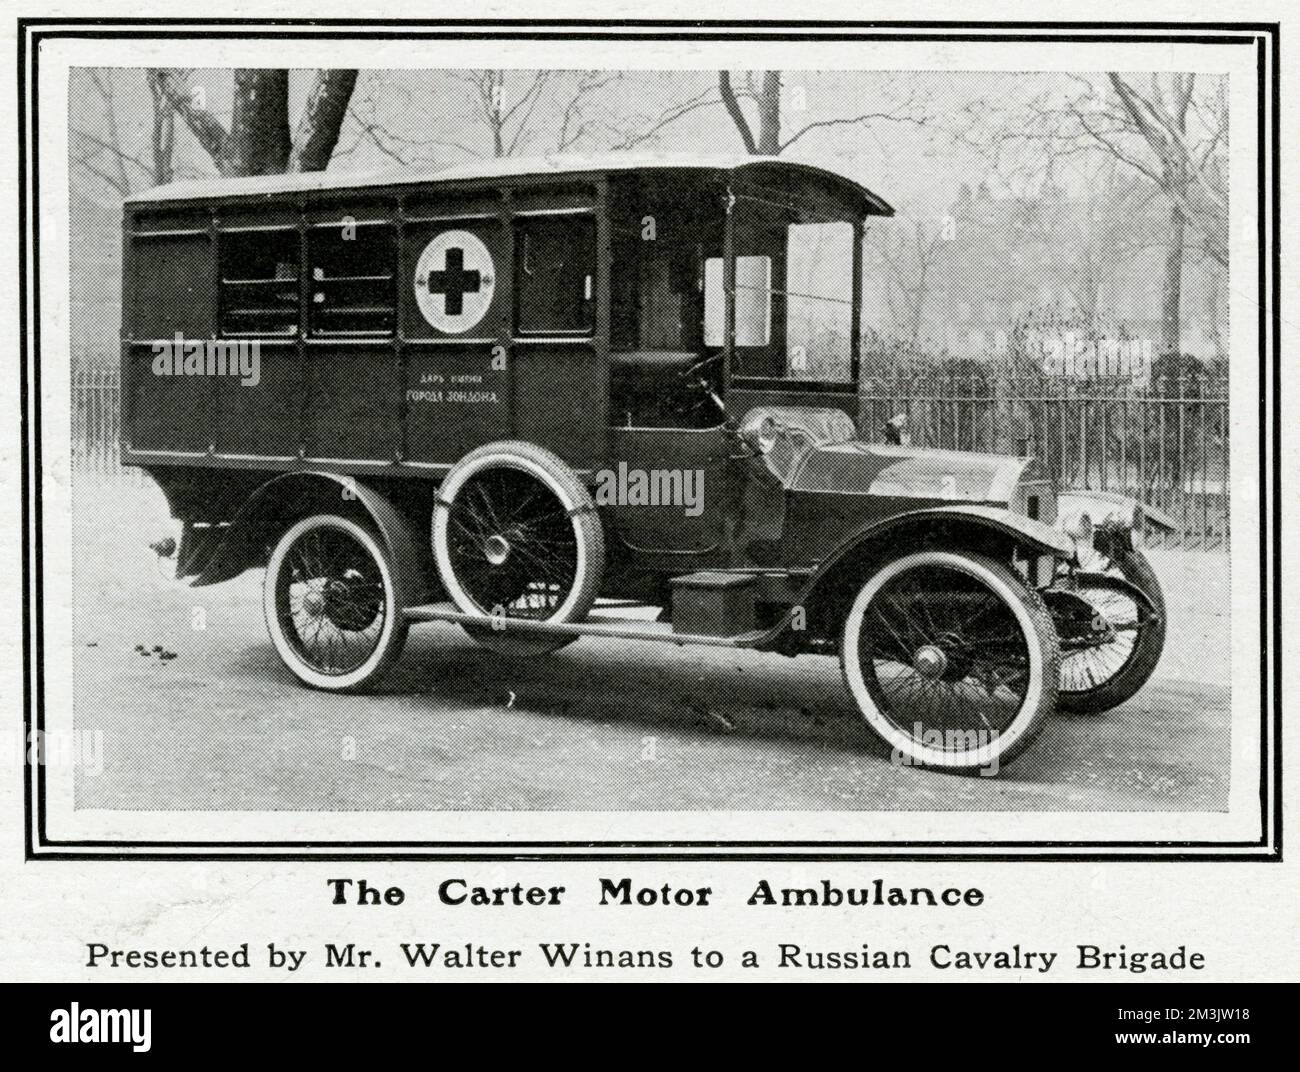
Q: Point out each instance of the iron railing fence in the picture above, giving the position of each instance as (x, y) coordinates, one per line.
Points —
(96, 419)
(1165, 443)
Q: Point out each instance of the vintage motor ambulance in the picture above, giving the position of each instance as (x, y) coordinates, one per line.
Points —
(609, 398)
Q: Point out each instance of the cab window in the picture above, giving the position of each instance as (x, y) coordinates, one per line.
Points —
(667, 237)
(794, 289)
(664, 243)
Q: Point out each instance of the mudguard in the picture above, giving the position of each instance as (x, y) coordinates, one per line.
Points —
(297, 493)
(1034, 534)
(1031, 534)
(1118, 584)
(1108, 508)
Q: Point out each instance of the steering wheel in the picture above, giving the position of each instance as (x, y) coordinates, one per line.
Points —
(696, 367)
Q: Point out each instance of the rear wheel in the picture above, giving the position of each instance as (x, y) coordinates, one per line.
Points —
(516, 536)
(331, 604)
(952, 660)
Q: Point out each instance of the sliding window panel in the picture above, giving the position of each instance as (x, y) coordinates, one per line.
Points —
(259, 400)
(350, 411)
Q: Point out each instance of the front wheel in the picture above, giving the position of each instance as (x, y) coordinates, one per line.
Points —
(331, 604)
(952, 660)
(1111, 641)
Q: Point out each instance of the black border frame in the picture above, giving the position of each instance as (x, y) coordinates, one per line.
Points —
(1263, 36)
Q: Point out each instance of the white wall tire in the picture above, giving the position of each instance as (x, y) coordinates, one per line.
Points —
(515, 534)
(912, 615)
(352, 598)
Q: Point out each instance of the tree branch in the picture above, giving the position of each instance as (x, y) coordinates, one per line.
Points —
(121, 156)
(321, 120)
(737, 115)
(205, 126)
(704, 99)
(105, 89)
(866, 117)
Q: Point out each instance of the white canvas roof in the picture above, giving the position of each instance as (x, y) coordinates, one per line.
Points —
(310, 181)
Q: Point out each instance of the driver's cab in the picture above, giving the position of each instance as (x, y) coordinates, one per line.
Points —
(664, 236)
(729, 292)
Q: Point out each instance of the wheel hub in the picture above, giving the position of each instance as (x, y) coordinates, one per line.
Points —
(930, 661)
(496, 549)
(314, 602)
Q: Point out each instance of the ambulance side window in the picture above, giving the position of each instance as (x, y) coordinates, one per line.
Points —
(353, 273)
(259, 283)
(555, 273)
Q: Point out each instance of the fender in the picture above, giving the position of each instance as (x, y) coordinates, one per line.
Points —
(1044, 539)
(1109, 508)
(1119, 584)
(1025, 531)
(242, 544)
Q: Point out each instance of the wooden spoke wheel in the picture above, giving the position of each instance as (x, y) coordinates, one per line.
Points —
(516, 536)
(952, 660)
(331, 605)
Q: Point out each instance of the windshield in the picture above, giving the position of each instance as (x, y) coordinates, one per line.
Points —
(794, 276)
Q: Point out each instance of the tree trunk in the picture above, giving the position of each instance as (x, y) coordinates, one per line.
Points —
(768, 142)
(496, 95)
(769, 115)
(322, 118)
(205, 127)
(163, 137)
(258, 143)
(1172, 290)
(732, 104)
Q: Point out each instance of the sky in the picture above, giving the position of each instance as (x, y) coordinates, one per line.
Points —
(923, 136)
(912, 152)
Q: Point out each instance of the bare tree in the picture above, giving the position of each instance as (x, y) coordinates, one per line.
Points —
(565, 111)
(909, 250)
(163, 133)
(374, 114)
(322, 117)
(642, 129)
(1188, 175)
(504, 107)
(258, 141)
(766, 95)
(1172, 133)
(1186, 143)
(99, 150)
(578, 122)
(515, 113)
(763, 93)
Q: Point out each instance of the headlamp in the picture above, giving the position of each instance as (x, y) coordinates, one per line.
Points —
(1080, 529)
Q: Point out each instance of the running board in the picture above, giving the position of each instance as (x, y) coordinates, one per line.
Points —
(611, 628)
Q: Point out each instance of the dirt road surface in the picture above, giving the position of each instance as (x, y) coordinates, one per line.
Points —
(223, 725)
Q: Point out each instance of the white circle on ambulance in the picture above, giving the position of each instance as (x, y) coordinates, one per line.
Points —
(455, 279)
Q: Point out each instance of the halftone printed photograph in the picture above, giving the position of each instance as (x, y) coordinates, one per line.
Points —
(859, 447)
